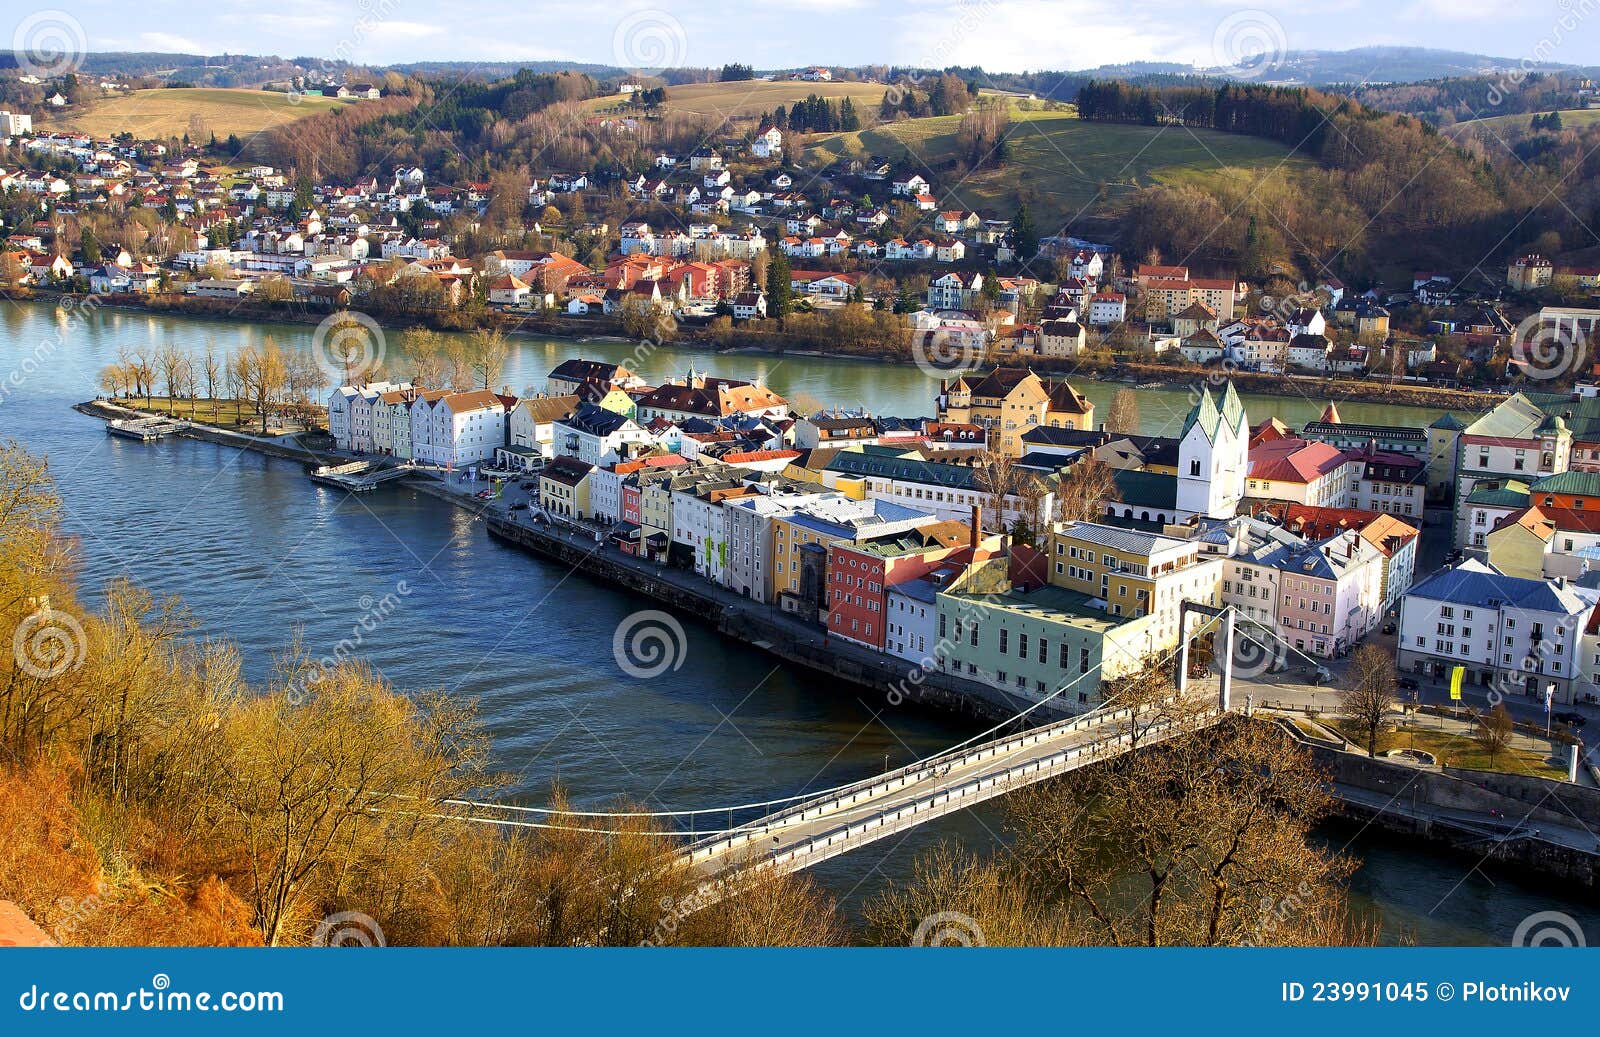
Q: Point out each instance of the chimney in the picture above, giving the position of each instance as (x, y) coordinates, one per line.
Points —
(977, 527)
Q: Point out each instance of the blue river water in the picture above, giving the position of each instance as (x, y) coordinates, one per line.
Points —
(260, 555)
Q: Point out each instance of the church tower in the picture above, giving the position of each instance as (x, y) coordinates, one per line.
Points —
(1213, 456)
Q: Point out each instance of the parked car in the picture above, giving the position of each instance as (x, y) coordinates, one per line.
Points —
(1570, 719)
(520, 506)
(1389, 628)
(1409, 683)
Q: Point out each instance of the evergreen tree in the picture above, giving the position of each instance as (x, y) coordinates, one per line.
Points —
(1024, 235)
(848, 119)
(780, 294)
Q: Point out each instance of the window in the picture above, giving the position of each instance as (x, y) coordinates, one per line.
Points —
(1022, 646)
(1004, 634)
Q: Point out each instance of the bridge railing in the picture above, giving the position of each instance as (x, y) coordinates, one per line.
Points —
(829, 844)
(910, 775)
(898, 778)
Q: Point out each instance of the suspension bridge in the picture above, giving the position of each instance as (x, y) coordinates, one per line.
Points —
(797, 832)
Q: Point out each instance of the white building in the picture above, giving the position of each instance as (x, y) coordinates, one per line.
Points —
(1512, 635)
(458, 428)
(599, 436)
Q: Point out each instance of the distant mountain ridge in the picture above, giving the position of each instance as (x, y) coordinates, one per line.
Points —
(1376, 65)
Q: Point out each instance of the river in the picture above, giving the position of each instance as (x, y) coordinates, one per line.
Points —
(257, 552)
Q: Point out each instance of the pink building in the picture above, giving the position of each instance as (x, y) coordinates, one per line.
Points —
(1330, 593)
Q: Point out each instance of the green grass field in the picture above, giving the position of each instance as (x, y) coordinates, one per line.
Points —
(167, 113)
(755, 97)
(1062, 161)
(1570, 119)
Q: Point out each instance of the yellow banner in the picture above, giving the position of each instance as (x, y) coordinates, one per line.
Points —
(1456, 676)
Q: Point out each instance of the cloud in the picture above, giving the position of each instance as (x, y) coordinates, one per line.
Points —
(166, 41)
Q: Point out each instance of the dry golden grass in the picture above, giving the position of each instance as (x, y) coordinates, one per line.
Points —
(166, 113)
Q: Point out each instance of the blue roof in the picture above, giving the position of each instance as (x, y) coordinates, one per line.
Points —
(1477, 583)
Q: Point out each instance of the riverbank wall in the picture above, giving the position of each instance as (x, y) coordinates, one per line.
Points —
(894, 681)
(1485, 814)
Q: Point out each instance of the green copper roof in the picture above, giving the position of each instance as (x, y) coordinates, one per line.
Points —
(1211, 417)
(1447, 421)
(1511, 493)
(1585, 484)
(1146, 489)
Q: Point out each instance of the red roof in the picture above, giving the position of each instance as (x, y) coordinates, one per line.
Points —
(1293, 460)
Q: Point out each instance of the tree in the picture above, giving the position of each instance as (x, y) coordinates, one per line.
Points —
(1084, 489)
(210, 369)
(780, 291)
(264, 375)
(1024, 235)
(169, 362)
(1368, 694)
(89, 245)
(487, 356)
(1495, 731)
(1204, 840)
(1123, 417)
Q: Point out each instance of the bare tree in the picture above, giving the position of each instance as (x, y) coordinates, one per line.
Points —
(1085, 489)
(1367, 697)
(210, 369)
(1495, 731)
(1123, 416)
(487, 357)
(1211, 838)
(265, 375)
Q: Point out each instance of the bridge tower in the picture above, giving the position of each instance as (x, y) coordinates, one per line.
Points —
(1224, 650)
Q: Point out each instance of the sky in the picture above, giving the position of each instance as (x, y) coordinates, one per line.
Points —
(1000, 35)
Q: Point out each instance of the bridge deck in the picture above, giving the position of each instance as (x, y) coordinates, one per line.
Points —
(813, 831)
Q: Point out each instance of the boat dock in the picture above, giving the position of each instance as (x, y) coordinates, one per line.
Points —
(144, 430)
(358, 476)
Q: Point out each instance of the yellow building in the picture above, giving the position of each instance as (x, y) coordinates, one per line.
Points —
(1133, 573)
(1519, 544)
(564, 488)
(1011, 401)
